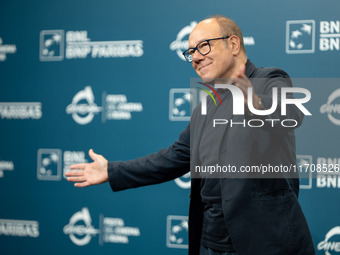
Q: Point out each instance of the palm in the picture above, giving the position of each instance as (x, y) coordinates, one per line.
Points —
(91, 173)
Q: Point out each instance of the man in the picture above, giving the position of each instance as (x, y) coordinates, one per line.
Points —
(244, 216)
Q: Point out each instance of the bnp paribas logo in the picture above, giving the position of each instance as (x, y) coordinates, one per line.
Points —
(300, 36)
(51, 45)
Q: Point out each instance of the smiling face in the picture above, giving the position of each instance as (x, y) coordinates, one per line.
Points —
(222, 60)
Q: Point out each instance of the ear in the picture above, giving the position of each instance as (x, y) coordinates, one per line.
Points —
(234, 44)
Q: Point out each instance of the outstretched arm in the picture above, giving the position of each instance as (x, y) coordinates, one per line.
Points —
(165, 165)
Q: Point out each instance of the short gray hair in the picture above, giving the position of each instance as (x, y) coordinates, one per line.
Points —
(229, 27)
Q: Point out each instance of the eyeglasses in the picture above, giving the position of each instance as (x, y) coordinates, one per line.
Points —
(203, 48)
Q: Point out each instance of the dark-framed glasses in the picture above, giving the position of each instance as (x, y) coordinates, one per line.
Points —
(203, 48)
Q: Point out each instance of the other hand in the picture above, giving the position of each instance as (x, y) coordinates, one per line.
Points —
(241, 81)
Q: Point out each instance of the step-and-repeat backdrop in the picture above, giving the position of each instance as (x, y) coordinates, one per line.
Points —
(109, 75)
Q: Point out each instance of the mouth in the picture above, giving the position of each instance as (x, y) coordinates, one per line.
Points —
(202, 67)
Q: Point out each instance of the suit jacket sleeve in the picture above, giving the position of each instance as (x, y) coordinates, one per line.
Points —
(165, 165)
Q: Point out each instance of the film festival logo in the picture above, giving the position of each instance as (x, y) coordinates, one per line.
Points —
(184, 181)
(80, 234)
(83, 107)
(181, 43)
(177, 232)
(182, 40)
(112, 230)
(331, 244)
(79, 46)
(300, 36)
(332, 107)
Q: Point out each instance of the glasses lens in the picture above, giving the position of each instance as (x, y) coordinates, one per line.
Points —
(204, 47)
(187, 56)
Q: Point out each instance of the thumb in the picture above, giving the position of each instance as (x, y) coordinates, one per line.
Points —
(241, 71)
(93, 155)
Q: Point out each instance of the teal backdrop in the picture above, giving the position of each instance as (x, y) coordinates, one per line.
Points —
(107, 75)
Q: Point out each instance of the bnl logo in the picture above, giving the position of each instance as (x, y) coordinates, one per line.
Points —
(51, 45)
(305, 176)
(177, 232)
(300, 36)
(49, 164)
(181, 101)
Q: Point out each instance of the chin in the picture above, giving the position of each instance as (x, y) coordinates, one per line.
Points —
(208, 79)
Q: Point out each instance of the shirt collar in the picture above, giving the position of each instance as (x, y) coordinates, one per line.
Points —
(250, 68)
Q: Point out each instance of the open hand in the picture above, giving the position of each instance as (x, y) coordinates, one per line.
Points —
(90, 173)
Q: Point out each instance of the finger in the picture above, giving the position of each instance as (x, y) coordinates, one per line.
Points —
(241, 72)
(81, 184)
(241, 81)
(74, 173)
(243, 86)
(78, 166)
(76, 179)
(93, 155)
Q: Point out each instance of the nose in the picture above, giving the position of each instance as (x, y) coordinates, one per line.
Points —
(196, 57)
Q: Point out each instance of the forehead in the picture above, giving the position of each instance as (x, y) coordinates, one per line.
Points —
(204, 30)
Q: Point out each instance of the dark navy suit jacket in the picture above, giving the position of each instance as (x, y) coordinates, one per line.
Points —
(263, 215)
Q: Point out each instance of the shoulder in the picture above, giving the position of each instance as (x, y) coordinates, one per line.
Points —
(269, 72)
(268, 77)
(264, 72)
